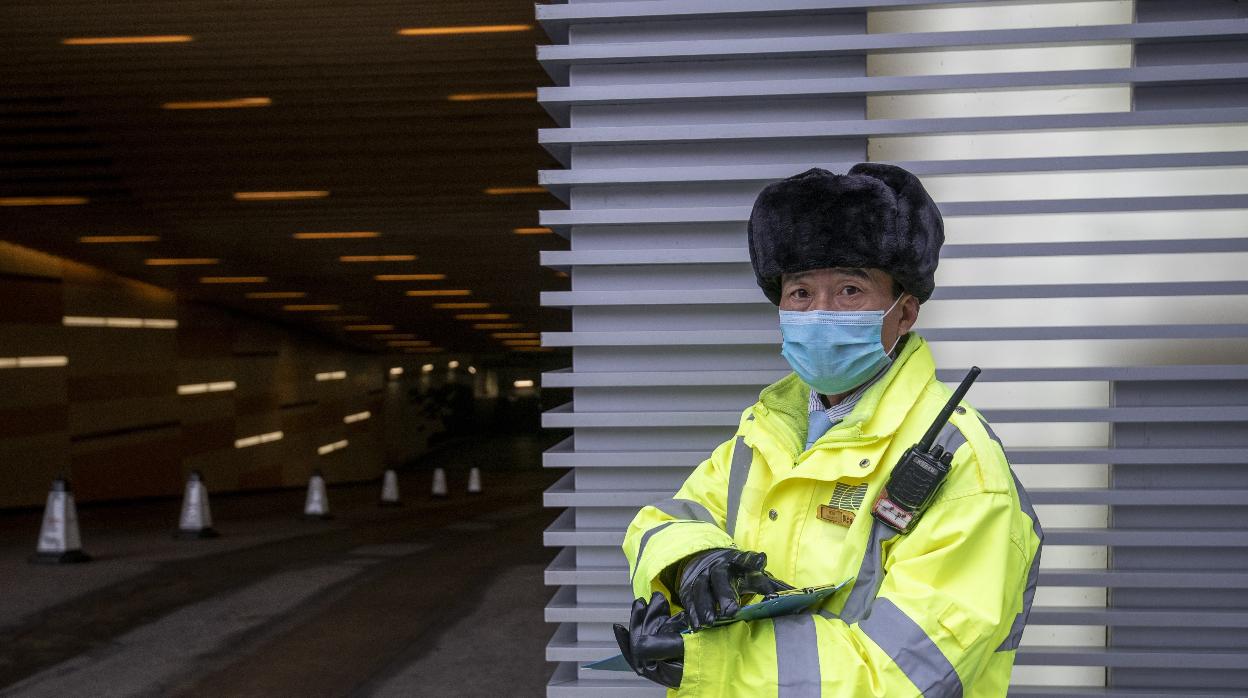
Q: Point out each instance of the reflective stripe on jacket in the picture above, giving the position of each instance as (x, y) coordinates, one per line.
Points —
(936, 612)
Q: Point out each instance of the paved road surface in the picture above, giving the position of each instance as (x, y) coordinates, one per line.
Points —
(439, 597)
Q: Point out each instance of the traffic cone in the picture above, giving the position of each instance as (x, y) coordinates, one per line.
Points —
(58, 536)
(439, 482)
(317, 504)
(196, 519)
(390, 489)
(474, 481)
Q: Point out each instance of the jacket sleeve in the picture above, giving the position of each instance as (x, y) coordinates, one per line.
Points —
(693, 520)
(951, 591)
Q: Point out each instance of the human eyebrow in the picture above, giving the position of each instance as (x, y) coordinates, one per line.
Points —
(855, 272)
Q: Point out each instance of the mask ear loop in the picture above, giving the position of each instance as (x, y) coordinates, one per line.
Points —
(886, 312)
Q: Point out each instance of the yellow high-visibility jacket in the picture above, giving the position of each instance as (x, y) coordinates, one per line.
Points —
(938, 611)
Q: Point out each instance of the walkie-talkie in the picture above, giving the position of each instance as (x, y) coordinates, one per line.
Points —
(920, 472)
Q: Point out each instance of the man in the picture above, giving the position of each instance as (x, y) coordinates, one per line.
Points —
(935, 611)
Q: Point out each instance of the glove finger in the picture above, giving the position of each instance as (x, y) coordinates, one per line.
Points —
(657, 612)
(750, 560)
(702, 608)
(725, 592)
(624, 641)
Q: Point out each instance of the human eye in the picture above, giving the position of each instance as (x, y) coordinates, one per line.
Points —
(850, 289)
(799, 293)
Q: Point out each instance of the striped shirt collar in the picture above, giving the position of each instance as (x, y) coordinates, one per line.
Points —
(842, 409)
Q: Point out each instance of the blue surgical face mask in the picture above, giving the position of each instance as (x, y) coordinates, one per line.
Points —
(835, 351)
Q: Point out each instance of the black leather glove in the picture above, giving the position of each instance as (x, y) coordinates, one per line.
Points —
(651, 644)
(710, 584)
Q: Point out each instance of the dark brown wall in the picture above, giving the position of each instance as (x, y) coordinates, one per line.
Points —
(112, 418)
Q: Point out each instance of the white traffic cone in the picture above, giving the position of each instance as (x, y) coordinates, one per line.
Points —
(474, 481)
(390, 489)
(58, 536)
(196, 519)
(317, 504)
(439, 482)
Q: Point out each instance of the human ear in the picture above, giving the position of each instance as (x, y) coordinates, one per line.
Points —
(909, 314)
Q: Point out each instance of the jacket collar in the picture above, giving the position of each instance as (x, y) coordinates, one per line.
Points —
(783, 405)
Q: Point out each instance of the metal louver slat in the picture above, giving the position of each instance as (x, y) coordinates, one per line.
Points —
(1118, 388)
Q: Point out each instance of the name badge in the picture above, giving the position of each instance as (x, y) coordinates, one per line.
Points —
(840, 517)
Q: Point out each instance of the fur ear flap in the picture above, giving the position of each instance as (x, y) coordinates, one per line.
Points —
(876, 215)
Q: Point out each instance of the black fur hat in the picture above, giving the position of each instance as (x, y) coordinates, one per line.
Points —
(876, 215)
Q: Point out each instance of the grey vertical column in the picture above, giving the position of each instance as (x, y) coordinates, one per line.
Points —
(1197, 636)
(656, 232)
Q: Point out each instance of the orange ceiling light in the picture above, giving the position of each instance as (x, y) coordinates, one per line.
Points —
(410, 277)
(461, 306)
(535, 230)
(501, 191)
(109, 239)
(377, 258)
(352, 235)
(465, 29)
(276, 294)
(120, 40)
(428, 292)
(498, 326)
(292, 195)
(532, 349)
(486, 96)
(396, 335)
(483, 316)
(233, 279)
(43, 200)
(409, 343)
(180, 261)
(308, 307)
(516, 335)
(522, 342)
(237, 103)
(368, 328)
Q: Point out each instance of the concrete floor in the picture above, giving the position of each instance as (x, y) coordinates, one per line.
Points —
(438, 597)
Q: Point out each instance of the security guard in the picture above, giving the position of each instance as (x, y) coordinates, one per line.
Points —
(936, 609)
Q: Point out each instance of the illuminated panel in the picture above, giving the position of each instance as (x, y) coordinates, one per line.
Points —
(357, 417)
(233, 279)
(237, 103)
(258, 439)
(410, 277)
(377, 258)
(276, 294)
(280, 195)
(200, 388)
(34, 361)
(466, 29)
(434, 292)
(119, 322)
(113, 239)
(43, 200)
(330, 448)
(500, 191)
(354, 235)
(180, 261)
(484, 96)
(120, 40)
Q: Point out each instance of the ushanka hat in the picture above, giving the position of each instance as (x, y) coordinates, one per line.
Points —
(876, 215)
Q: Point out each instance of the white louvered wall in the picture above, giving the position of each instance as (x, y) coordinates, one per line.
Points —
(1090, 162)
